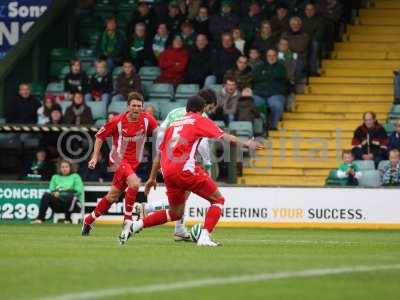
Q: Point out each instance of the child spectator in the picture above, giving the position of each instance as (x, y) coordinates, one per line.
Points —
(201, 22)
(241, 72)
(160, 40)
(66, 187)
(254, 58)
(288, 58)
(187, 33)
(348, 170)
(391, 172)
(173, 63)
(126, 82)
(43, 112)
(76, 80)
(246, 109)
(40, 168)
(394, 139)
(139, 48)
(78, 113)
(110, 45)
(238, 40)
(24, 107)
(100, 85)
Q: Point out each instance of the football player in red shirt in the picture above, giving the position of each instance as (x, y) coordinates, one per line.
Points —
(129, 131)
(181, 173)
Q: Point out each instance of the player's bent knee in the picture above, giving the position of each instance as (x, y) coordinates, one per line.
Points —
(220, 201)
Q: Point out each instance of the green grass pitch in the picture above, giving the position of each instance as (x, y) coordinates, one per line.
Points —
(55, 262)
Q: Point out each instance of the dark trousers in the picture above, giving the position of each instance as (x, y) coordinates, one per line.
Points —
(66, 204)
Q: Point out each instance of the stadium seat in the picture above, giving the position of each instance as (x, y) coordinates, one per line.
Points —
(241, 128)
(56, 67)
(365, 165)
(389, 127)
(215, 87)
(89, 37)
(117, 107)
(162, 91)
(383, 164)
(64, 72)
(100, 122)
(166, 107)
(90, 71)
(103, 15)
(149, 73)
(104, 6)
(55, 88)
(184, 91)
(62, 54)
(126, 6)
(181, 102)
(116, 72)
(333, 180)
(220, 124)
(87, 56)
(395, 112)
(157, 106)
(64, 104)
(37, 90)
(146, 87)
(99, 109)
(370, 178)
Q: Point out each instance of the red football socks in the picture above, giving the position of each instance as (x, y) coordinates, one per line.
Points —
(130, 197)
(212, 217)
(102, 207)
(159, 217)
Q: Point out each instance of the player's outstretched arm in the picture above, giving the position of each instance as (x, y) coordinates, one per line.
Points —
(152, 181)
(251, 143)
(96, 151)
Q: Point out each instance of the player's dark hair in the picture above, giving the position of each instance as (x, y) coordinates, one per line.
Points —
(135, 96)
(208, 95)
(195, 104)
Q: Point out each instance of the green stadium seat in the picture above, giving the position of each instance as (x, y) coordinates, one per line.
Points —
(242, 128)
(86, 54)
(333, 180)
(220, 124)
(383, 164)
(64, 105)
(215, 87)
(64, 71)
(162, 91)
(103, 15)
(55, 87)
(185, 91)
(146, 87)
(104, 6)
(37, 90)
(149, 73)
(181, 102)
(62, 54)
(56, 68)
(365, 165)
(99, 109)
(90, 21)
(117, 107)
(370, 178)
(116, 72)
(100, 122)
(126, 6)
(90, 71)
(389, 127)
(89, 37)
(395, 112)
(166, 107)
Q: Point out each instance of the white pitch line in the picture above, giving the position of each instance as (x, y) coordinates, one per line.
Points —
(184, 285)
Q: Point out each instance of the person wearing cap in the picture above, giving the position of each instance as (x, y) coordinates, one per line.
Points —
(280, 21)
(223, 22)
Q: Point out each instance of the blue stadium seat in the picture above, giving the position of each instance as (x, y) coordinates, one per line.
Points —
(99, 109)
(370, 178)
(162, 91)
(365, 165)
(242, 128)
(64, 105)
(55, 88)
(185, 91)
(64, 71)
(149, 73)
(117, 107)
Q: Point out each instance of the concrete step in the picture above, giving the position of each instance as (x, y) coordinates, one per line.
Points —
(332, 134)
(377, 20)
(290, 125)
(367, 46)
(373, 38)
(328, 116)
(357, 72)
(387, 4)
(343, 54)
(365, 64)
(344, 108)
(380, 12)
(308, 154)
(283, 180)
(284, 172)
(356, 99)
(350, 89)
(320, 144)
(326, 164)
(351, 80)
(373, 30)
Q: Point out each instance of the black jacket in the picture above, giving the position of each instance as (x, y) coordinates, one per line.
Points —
(199, 66)
(101, 84)
(223, 60)
(76, 82)
(23, 110)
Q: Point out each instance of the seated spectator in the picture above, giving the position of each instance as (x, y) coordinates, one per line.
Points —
(313, 25)
(288, 58)
(298, 43)
(98, 174)
(223, 22)
(110, 45)
(76, 80)
(331, 12)
(270, 86)
(187, 33)
(100, 85)
(78, 113)
(238, 40)
(144, 15)
(394, 138)
(397, 87)
(139, 47)
(265, 39)
(151, 110)
(24, 107)
(40, 168)
(161, 40)
(391, 172)
(268, 8)
(348, 170)
(126, 82)
(280, 22)
(246, 108)
(199, 66)
(254, 58)
(49, 140)
(66, 187)
(43, 112)
(174, 18)
(201, 23)
(241, 72)
(223, 59)
(173, 63)
(227, 99)
(370, 140)
(251, 22)
(192, 8)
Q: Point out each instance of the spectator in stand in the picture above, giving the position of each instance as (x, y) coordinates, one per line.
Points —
(100, 85)
(397, 87)
(174, 18)
(246, 108)
(145, 15)
(299, 43)
(241, 72)
(296, 7)
(254, 58)
(265, 39)
(98, 174)
(370, 140)
(313, 26)
(24, 107)
(201, 23)
(76, 80)
(49, 140)
(391, 172)
(187, 33)
(394, 139)
(331, 12)
(270, 86)
(288, 58)
(238, 40)
(111, 44)
(251, 22)
(43, 112)
(280, 22)
(223, 22)
(223, 59)
(348, 170)
(173, 63)
(268, 8)
(139, 47)
(192, 8)
(66, 187)
(151, 110)
(161, 40)
(199, 66)
(227, 99)
(40, 167)
(78, 113)
(127, 81)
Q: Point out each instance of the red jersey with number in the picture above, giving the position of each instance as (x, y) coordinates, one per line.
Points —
(181, 140)
(128, 137)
